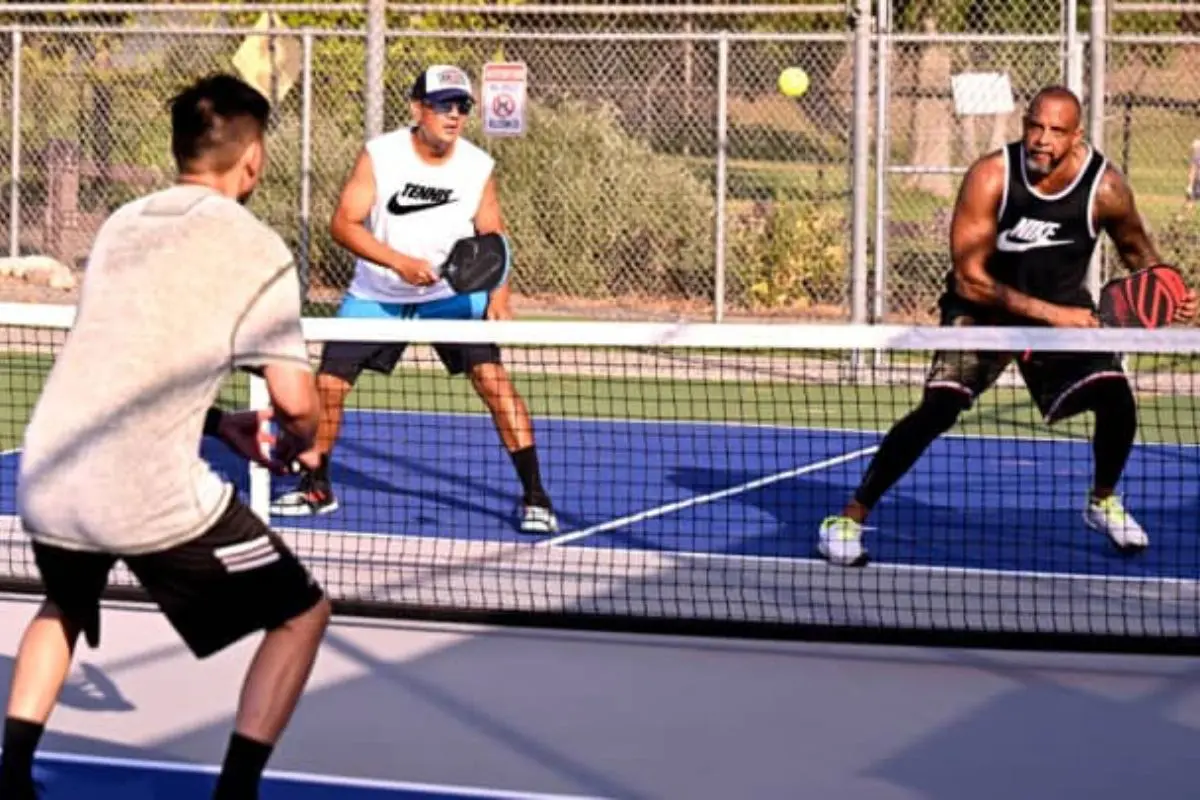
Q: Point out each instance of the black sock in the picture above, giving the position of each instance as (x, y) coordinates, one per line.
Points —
(1115, 431)
(321, 471)
(526, 462)
(905, 443)
(242, 771)
(21, 739)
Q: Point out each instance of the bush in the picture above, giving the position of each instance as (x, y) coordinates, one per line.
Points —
(592, 210)
(789, 255)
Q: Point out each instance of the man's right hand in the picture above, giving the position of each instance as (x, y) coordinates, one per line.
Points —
(1072, 317)
(417, 272)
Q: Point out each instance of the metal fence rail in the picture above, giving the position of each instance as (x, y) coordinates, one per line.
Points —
(663, 173)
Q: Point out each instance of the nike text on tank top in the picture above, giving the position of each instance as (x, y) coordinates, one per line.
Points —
(1044, 243)
(420, 210)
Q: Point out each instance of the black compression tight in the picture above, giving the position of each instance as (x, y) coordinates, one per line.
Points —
(1115, 429)
(907, 440)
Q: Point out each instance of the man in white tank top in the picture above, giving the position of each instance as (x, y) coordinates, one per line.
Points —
(413, 193)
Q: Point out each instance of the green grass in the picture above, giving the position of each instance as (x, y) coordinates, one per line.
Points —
(835, 405)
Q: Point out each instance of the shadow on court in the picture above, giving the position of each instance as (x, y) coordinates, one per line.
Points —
(88, 688)
(945, 514)
(1046, 740)
(636, 717)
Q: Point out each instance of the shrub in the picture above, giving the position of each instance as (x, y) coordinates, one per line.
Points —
(591, 209)
(789, 255)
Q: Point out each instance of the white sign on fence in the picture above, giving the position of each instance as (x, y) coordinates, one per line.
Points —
(272, 73)
(505, 87)
(982, 93)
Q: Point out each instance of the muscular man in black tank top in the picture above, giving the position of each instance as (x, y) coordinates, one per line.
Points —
(1026, 222)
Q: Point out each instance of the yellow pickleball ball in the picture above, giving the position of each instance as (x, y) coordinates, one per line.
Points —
(793, 81)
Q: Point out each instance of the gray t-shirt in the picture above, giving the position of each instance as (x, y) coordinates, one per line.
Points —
(182, 287)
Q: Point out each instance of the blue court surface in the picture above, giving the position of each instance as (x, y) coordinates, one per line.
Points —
(740, 490)
(978, 503)
(62, 776)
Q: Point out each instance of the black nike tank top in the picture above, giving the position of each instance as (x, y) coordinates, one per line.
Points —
(1044, 243)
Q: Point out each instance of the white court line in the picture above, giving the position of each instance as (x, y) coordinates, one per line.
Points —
(705, 498)
(931, 570)
(303, 777)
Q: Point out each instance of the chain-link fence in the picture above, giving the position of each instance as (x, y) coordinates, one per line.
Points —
(662, 173)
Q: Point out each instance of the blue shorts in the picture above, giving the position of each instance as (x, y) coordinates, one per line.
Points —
(458, 306)
(347, 360)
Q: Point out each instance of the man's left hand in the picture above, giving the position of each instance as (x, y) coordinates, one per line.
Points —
(1186, 310)
(498, 309)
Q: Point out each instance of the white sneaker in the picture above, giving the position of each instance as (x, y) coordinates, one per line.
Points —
(538, 520)
(841, 542)
(1110, 517)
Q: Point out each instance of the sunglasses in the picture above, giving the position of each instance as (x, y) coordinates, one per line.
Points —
(464, 106)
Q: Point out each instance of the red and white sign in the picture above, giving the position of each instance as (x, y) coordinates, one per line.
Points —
(504, 102)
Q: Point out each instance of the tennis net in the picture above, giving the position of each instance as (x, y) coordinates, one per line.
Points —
(691, 466)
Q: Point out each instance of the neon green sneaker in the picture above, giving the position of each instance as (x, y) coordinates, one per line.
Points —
(841, 542)
(1109, 516)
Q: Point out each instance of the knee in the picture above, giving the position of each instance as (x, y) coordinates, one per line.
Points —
(1113, 400)
(317, 618)
(940, 409)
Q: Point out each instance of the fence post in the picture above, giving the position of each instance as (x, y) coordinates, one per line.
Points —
(1074, 48)
(860, 159)
(883, 30)
(376, 50)
(722, 166)
(1098, 39)
(306, 165)
(14, 189)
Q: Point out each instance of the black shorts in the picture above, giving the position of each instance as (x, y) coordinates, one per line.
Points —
(236, 579)
(347, 360)
(1053, 379)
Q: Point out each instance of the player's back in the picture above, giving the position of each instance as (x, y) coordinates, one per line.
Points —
(111, 458)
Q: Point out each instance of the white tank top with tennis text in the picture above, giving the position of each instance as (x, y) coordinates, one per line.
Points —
(420, 210)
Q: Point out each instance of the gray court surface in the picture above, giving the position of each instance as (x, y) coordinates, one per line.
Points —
(625, 716)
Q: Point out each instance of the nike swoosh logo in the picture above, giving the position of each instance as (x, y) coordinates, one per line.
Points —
(398, 210)
(1008, 245)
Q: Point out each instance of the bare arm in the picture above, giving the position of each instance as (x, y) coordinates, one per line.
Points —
(294, 398)
(489, 219)
(973, 240)
(1116, 213)
(348, 229)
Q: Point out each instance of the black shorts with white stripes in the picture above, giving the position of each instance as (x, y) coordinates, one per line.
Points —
(237, 578)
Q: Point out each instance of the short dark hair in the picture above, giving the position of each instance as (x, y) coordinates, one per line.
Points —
(213, 119)
(1058, 92)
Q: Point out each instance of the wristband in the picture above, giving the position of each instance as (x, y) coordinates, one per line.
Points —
(212, 421)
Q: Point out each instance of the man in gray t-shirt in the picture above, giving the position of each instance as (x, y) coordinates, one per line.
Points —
(183, 287)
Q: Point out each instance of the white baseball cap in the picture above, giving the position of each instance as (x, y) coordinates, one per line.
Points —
(442, 82)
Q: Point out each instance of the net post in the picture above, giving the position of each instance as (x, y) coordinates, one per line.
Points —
(260, 478)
